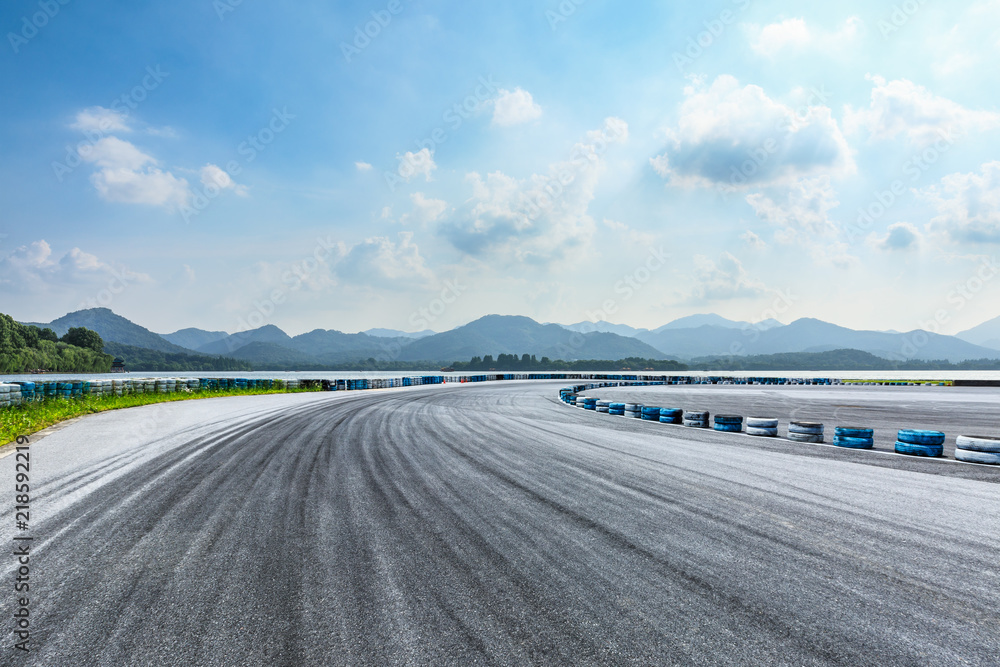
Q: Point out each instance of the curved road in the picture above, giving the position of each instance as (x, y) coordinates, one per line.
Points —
(490, 524)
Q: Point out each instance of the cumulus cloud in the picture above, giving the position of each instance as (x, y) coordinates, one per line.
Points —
(514, 107)
(801, 216)
(722, 279)
(36, 268)
(898, 236)
(101, 120)
(381, 262)
(795, 34)
(901, 107)
(413, 164)
(539, 219)
(967, 205)
(362, 166)
(804, 210)
(424, 210)
(736, 136)
(213, 175)
(126, 174)
(752, 240)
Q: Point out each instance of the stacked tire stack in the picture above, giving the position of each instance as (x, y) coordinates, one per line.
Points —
(193, 384)
(854, 437)
(602, 406)
(616, 409)
(590, 403)
(633, 410)
(801, 431)
(650, 413)
(671, 415)
(27, 391)
(729, 423)
(766, 427)
(5, 395)
(919, 443)
(579, 401)
(978, 449)
(15, 394)
(696, 418)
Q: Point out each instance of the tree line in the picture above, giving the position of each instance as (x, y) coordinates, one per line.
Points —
(27, 348)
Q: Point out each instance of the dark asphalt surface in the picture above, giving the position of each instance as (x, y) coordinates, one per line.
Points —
(491, 524)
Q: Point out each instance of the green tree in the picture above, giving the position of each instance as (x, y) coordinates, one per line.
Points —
(85, 338)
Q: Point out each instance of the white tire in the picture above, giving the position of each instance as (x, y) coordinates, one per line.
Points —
(973, 456)
(978, 443)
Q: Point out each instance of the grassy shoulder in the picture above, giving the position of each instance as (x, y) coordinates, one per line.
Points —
(29, 418)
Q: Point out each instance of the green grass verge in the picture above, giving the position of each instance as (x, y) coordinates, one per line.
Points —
(29, 418)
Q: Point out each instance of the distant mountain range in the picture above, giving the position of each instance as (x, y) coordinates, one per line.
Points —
(986, 334)
(697, 337)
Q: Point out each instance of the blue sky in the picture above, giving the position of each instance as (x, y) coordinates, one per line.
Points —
(419, 164)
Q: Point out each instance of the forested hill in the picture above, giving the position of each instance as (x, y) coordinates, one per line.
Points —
(27, 348)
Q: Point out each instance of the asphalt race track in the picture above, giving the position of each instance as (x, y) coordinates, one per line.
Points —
(492, 524)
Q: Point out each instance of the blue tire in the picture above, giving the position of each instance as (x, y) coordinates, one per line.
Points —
(728, 419)
(854, 432)
(729, 428)
(853, 443)
(651, 418)
(915, 437)
(915, 449)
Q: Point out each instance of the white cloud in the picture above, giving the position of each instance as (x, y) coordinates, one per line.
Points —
(722, 279)
(801, 216)
(126, 174)
(968, 205)
(413, 164)
(776, 36)
(752, 240)
(736, 136)
(424, 210)
(901, 107)
(362, 166)
(804, 210)
(794, 35)
(381, 262)
(35, 269)
(213, 175)
(539, 219)
(898, 236)
(515, 107)
(973, 42)
(101, 121)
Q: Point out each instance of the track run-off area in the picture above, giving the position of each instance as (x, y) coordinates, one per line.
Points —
(489, 523)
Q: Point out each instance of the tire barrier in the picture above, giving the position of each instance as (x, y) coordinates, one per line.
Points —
(920, 443)
(729, 423)
(854, 437)
(973, 449)
(978, 449)
(765, 427)
(650, 413)
(695, 419)
(671, 415)
(801, 431)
